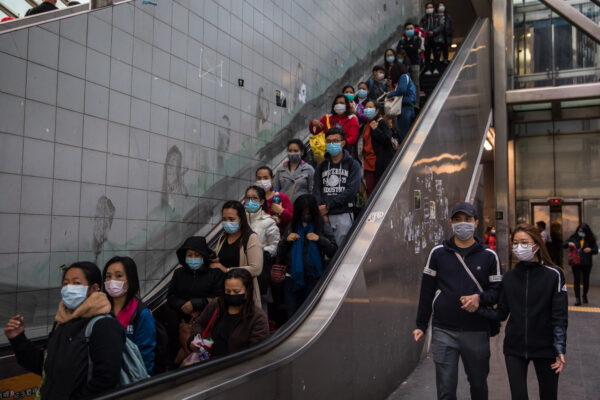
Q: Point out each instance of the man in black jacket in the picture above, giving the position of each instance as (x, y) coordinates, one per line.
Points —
(460, 275)
(413, 45)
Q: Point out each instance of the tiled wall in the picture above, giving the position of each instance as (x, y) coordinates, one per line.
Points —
(124, 129)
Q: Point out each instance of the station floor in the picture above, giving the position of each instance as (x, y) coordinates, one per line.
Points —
(580, 380)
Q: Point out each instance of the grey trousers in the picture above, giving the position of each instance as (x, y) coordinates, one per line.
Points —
(474, 350)
(341, 224)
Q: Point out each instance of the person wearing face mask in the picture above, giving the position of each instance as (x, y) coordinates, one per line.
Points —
(407, 89)
(582, 246)
(296, 176)
(413, 46)
(489, 238)
(279, 205)
(379, 145)
(192, 286)
(350, 94)
(431, 24)
(362, 95)
(377, 83)
(534, 298)
(444, 39)
(307, 245)
(239, 246)
(337, 181)
(65, 360)
(461, 275)
(122, 286)
(392, 67)
(341, 116)
(238, 323)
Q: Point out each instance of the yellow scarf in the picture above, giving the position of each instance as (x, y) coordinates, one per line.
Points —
(94, 305)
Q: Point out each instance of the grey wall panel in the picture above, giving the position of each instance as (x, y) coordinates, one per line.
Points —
(135, 129)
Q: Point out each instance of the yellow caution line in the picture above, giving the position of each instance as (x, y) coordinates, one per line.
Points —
(584, 309)
(569, 285)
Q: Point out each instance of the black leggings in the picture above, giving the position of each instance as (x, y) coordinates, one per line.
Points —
(517, 377)
(578, 272)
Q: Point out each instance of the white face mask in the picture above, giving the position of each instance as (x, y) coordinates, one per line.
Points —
(429, 10)
(265, 184)
(115, 288)
(524, 252)
(339, 108)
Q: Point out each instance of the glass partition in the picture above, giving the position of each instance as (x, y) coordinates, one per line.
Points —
(549, 50)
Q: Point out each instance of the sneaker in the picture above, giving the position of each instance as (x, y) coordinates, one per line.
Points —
(428, 72)
(436, 72)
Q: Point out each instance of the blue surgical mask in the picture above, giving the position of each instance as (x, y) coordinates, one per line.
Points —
(334, 148)
(410, 32)
(370, 113)
(361, 93)
(194, 263)
(401, 60)
(252, 206)
(73, 295)
(442, 8)
(389, 59)
(231, 227)
(581, 234)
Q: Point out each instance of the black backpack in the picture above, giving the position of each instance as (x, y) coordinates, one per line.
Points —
(161, 351)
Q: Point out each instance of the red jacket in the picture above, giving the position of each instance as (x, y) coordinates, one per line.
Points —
(348, 123)
(288, 210)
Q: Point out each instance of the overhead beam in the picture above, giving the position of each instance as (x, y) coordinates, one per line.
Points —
(573, 15)
(555, 93)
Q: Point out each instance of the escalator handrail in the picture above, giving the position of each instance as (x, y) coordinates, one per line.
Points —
(423, 121)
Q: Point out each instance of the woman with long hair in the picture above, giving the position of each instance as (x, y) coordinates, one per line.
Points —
(534, 298)
(238, 322)
(582, 246)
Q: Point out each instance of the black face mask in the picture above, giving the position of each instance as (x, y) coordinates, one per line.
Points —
(235, 299)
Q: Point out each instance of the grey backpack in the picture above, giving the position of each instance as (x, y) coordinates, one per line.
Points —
(133, 368)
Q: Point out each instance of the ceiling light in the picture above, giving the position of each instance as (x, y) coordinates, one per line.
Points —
(529, 34)
(487, 145)
(454, 45)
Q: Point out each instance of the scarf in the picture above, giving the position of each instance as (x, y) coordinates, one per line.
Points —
(94, 305)
(127, 312)
(313, 257)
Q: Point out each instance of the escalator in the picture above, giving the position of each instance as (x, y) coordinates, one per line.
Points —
(352, 339)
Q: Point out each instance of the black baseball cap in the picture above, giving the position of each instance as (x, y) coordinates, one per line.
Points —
(466, 208)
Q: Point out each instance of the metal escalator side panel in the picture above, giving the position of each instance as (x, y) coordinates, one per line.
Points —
(356, 340)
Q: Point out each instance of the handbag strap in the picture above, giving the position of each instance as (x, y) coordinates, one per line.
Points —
(208, 330)
(468, 271)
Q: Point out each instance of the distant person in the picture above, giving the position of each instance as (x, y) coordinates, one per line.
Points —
(65, 361)
(392, 67)
(279, 205)
(459, 271)
(555, 247)
(430, 24)
(341, 116)
(239, 246)
(337, 181)
(379, 145)
(534, 294)
(407, 89)
(305, 248)
(582, 246)
(447, 30)
(377, 84)
(350, 94)
(122, 287)
(296, 177)
(541, 225)
(239, 322)
(192, 286)
(489, 238)
(260, 221)
(362, 95)
(47, 5)
(413, 45)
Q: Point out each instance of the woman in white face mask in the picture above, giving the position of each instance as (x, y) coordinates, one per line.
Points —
(534, 294)
(122, 286)
(64, 362)
(279, 205)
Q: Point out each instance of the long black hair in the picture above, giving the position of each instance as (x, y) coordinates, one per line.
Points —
(346, 101)
(261, 195)
(404, 66)
(241, 212)
(307, 202)
(589, 235)
(248, 282)
(386, 64)
(133, 282)
(90, 270)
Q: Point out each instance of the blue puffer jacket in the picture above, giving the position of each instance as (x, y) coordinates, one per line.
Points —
(142, 331)
(445, 281)
(407, 89)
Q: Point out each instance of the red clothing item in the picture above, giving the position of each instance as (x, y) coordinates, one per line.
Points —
(348, 123)
(490, 241)
(368, 151)
(288, 211)
(127, 312)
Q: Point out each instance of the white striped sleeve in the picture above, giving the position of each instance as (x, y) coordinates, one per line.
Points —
(498, 276)
(427, 270)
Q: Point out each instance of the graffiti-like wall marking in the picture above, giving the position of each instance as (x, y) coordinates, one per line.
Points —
(216, 70)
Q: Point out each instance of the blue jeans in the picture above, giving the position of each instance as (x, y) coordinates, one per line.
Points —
(405, 121)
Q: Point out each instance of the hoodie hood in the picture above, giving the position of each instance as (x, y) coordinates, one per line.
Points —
(196, 243)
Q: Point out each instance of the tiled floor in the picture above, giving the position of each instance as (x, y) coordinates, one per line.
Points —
(578, 381)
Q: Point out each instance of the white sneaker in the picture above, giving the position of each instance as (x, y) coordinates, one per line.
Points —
(428, 72)
(436, 72)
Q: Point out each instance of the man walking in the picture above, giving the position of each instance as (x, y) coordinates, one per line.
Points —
(460, 275)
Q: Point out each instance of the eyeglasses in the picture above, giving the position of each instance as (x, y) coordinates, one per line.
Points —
(252, 199)
(333, 141)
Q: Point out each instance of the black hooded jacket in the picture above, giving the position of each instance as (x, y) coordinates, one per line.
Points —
(195, 286)
(586, 258)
